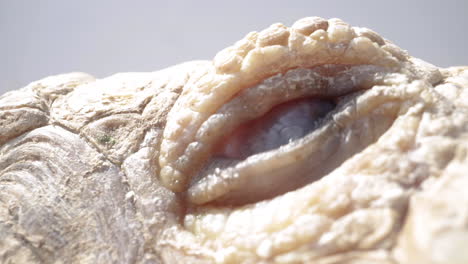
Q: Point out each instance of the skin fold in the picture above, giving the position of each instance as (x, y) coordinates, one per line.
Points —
(156, 168)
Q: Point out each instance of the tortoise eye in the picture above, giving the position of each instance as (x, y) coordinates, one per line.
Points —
(284, 133)
(281, 125)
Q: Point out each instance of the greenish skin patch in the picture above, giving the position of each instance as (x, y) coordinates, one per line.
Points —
(106, 140)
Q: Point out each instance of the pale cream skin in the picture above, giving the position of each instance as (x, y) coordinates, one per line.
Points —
(141, 167)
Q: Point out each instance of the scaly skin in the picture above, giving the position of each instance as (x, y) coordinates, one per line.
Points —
(122, 169)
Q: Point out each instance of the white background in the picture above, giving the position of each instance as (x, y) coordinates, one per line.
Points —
(44, 37)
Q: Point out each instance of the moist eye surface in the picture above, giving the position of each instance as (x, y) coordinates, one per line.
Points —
(281, 125)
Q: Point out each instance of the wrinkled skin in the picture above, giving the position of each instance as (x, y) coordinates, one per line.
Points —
(128, 169)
